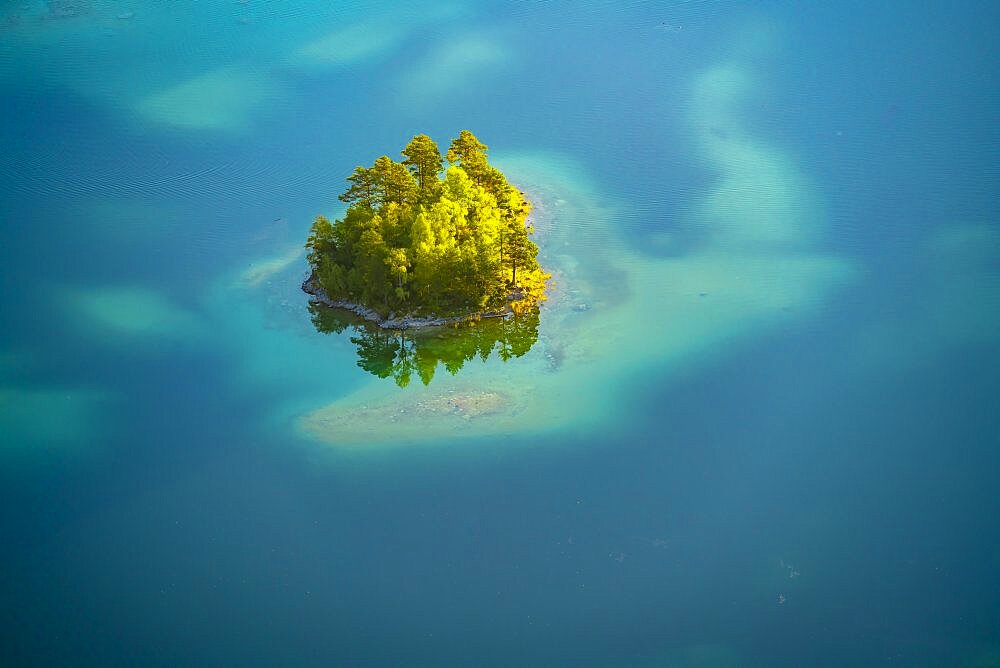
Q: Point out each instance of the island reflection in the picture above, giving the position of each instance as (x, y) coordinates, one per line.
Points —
(401, 354)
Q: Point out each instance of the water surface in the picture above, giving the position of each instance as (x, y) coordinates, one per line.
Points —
(753, 425)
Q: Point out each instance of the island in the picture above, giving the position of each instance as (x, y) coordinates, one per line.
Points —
(416, 250)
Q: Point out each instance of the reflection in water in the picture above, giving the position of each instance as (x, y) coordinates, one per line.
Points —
(399, 354)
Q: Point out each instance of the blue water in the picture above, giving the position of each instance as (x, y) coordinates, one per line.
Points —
(769, 439)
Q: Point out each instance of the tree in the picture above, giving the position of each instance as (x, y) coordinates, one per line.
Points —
(392, 182)
(321, 241)
(398, 262)
(423, 158)
(521, 251)
(362, 187)
(370, 259)
(470, 154)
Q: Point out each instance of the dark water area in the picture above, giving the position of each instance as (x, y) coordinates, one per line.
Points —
(755, 424)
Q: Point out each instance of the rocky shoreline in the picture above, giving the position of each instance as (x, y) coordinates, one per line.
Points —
(317, 295)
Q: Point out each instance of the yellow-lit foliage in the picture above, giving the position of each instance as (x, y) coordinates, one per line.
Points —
(413, 242)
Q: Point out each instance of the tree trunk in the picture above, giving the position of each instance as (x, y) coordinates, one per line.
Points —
(501, 250)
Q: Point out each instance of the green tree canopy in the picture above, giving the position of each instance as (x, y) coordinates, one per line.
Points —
(412, 241)
(470, 154)
(423, 158)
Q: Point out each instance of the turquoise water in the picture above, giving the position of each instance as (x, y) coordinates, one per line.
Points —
(753, 425)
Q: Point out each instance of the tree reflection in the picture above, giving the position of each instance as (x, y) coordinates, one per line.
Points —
(401, 354)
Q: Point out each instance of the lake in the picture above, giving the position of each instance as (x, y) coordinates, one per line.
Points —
(755, 423)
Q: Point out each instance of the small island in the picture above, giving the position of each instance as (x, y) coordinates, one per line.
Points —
(416, 250)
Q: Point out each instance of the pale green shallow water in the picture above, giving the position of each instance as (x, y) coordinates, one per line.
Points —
(757, 426)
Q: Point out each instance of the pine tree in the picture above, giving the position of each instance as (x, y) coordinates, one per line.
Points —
(362, 187)
(470, 154)
(423, 158)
